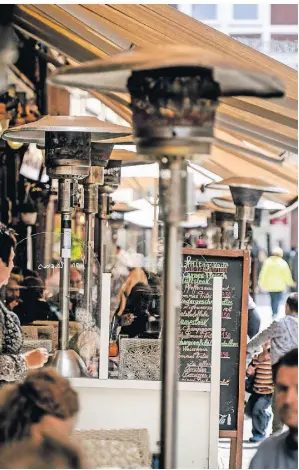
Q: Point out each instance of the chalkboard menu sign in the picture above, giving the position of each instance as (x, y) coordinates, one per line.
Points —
(199, 269)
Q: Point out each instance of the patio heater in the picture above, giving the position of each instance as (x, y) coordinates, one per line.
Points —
(103, 179)
(246, 193)
(112, 174)
(174, 95)
(67, 142)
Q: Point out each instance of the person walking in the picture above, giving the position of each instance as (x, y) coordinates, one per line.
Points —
(261, 396)
(281, 450)
(283, 335)
(275, 277)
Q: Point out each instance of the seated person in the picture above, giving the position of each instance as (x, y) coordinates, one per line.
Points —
(12, 293)
(34, 306)
(135, 317)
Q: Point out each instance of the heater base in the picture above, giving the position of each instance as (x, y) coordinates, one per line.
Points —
(69, 364)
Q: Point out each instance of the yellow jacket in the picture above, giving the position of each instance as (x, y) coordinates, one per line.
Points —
(275, 275)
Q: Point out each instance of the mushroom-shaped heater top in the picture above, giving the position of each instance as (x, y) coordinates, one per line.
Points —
(246, 191)
(68, 142)
(174, 93)
(264, 204)
(112, 74)
(34, 132)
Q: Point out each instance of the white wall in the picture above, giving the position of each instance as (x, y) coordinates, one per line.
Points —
(109, 408)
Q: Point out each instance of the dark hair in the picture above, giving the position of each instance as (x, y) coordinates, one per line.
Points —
(29, 273)
(7, 243)
(292, 302)
(17, 270)
(43, 392)
(33, 288)
(50, 452)
(289, 360)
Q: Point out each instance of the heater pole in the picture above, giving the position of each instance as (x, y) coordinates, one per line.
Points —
(102, 250)
(242, 233)
(65, 188)
(171, 193)
(88, 261)
(90, 207)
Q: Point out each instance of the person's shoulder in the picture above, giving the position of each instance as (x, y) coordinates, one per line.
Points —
(266, 449)
(273, 442)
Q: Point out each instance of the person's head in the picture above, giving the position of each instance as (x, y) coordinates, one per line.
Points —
(75, 279)
(277, 251)
(135, 275)
(118, 249)
(50, 451)
(29, 273)
(285, 378)
(7, 253)
(44, 401)
(266, 351)
(12, 291)
(32, 289)
(17, 271)
(140, 297)
(292, 304)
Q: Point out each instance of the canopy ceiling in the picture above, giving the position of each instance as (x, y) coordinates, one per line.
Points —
(262, 127)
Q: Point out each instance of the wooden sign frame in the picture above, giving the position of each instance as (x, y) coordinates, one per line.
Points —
(236, 436)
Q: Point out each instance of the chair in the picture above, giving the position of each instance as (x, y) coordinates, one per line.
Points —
(30, 332)
(30, 344)
(119, 448)
(46, 332)
(73, 326)
(139, 359)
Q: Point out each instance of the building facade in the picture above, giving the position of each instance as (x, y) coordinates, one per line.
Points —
(269, 28)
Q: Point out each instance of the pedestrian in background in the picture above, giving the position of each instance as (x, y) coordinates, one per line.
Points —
(275, 278)
(281, 450)
(261, 395)
(283, 335)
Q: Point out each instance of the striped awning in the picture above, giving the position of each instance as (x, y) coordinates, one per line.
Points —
(252, 127)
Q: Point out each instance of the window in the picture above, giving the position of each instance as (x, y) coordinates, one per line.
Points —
(245, 11)
(286, 43)
(284, 14)
(251, 40)
(204, 11)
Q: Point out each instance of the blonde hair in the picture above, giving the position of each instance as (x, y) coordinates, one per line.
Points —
(277, 251)
(136, 275)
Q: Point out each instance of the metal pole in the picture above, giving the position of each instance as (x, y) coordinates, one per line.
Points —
(49, 233)
(29, 248)
(242, 233)
(90, 206)
(88, 261)
(155, 229)
(171, 198)
(65, 188)
(102, 249)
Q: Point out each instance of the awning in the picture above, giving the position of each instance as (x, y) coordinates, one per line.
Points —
(269, 128)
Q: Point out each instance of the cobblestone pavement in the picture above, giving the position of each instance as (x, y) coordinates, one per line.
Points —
(263, 307)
